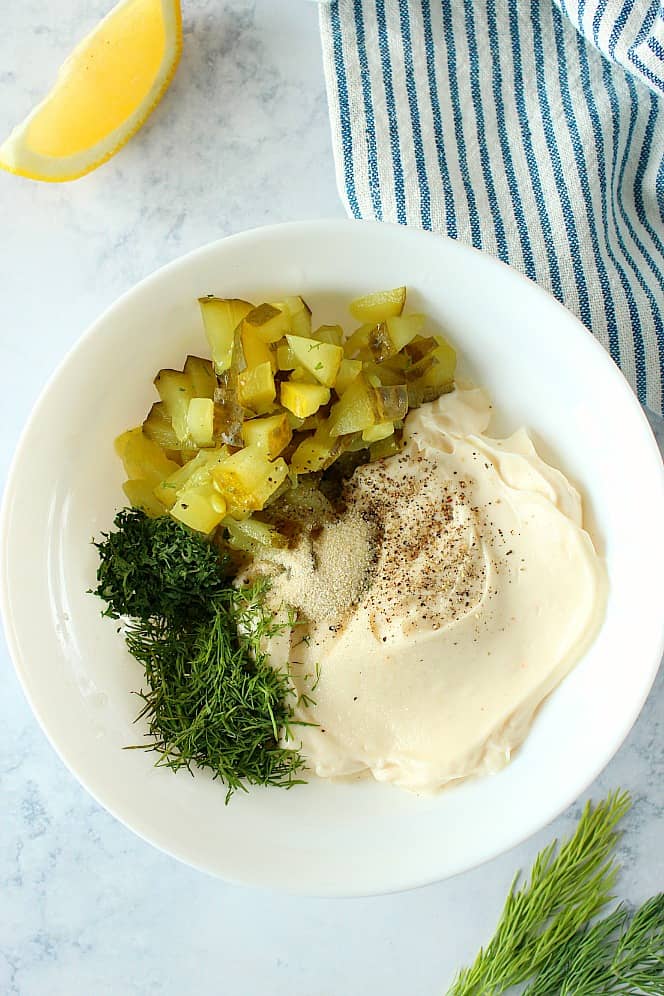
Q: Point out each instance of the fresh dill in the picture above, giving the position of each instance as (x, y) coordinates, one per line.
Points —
(157, 567)
(568, 886)
(621, 954)
(212, 698)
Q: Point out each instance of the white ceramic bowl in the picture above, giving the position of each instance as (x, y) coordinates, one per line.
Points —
(543, 370)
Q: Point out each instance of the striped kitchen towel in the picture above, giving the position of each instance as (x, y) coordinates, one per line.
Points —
(528, 128)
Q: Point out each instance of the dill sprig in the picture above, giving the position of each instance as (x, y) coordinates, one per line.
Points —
(212, 698)
(620, 954)
(568, 886)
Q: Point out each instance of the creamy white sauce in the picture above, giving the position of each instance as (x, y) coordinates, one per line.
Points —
(485, 593)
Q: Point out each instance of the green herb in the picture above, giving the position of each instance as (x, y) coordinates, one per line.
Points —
(621, 954)
(213, 700)
(568, 886)
(157, 567)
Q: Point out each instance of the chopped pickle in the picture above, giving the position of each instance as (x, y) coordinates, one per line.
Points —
(202, 376)
(300, 375)
(357, 410)
(384, 448)
(201, 508)
(317, 452)
(380, 373)
(159, 428)
(256, 349)
(392, 402)
(379, 343)
(247, 479)
(357, 341)
(200, 421)
(256, 388)
(402, 329)
(381, 430)
(175, 390)
(295, 421)
(299, 313)
(195, 472)
(140, 496)
(270, 322)
(321, 359)
(379, 306)
(348, 371)
(284, 401)
(221, 317)
(334, 334)
(446, 357)
(285, 357)
(143, 459)
(270, 435)
(252, 536)
(303, 399)
(313, 421)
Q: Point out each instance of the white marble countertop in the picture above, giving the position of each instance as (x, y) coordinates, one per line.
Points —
(86, 908)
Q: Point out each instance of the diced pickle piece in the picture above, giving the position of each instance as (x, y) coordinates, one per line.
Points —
(379, 306)
(201, 508)
(271, 434)
(379, 343)
(381, 430)
(348, 371)
(202, 376)
(295, 421)
(303, 399)
(252, 536)
(256, 388)
(159, 428)
(175, 390)
(334, 334)
(433, 375)
(143, 459)
(381, 374)
(200, 421)
(247, 479)
(384, 448)
(302, 376)
(268, 321)
(402, 329)
(321, 359)
(312, 422)
(446, 356)
(417, 370)
(140, 496)
(193, 474)
(299, 313)
(285, 357)
(420, 347)
(392, 402)
(255, 349)
(221, 317)
(357, 341)
(357, 410)
(317, 452)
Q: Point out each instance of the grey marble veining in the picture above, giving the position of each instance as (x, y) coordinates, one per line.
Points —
(241, 139)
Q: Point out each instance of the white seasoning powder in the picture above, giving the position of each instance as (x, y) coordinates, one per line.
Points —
(328, 570)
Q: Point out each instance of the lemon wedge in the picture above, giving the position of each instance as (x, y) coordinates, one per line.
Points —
(104, 92)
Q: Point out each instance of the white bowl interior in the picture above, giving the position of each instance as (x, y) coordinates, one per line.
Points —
(542, 369)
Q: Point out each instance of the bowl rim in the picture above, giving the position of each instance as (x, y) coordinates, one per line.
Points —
(576, 786)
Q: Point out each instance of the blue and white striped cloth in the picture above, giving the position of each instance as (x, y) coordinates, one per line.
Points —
(528, 128)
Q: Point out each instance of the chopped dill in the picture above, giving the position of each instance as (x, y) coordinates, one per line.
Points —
(212, 698)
